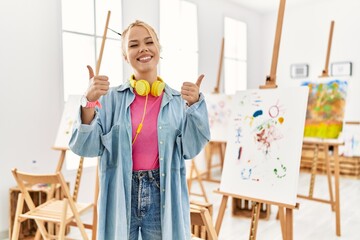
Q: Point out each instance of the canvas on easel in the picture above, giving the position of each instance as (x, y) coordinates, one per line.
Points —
(71, 109)
(263, 153)
(326, 104)
(219, 111)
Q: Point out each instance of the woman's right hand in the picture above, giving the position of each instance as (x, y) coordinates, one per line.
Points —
(98, 86)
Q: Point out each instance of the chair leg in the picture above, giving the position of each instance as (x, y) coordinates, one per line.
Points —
(19, 209)
(37, 235)
(80, 225)
(63, 220)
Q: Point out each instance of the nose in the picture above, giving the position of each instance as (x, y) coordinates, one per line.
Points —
(143, 50)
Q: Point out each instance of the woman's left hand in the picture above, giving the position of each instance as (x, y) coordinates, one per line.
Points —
(190, 91)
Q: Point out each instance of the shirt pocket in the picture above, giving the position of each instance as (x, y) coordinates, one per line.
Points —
(111, 142)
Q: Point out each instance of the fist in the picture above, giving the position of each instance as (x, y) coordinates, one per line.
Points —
(98, 86)
(190, 91)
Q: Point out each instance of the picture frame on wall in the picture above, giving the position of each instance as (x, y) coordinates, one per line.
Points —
(341, 69)
(299, 70)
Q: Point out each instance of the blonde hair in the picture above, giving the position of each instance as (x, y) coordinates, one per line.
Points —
(142, 24)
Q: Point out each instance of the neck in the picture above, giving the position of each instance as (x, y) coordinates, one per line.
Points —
(150, 77)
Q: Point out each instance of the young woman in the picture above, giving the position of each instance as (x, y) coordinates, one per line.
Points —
(143, 130)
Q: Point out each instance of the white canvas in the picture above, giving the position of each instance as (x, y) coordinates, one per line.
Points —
(263, 152)
(68, 117)
(219, 110)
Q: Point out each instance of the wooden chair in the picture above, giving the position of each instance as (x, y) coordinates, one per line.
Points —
(200, 216)
(52, 211)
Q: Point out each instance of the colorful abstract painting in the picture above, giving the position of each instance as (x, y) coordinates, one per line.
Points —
(219, 110)
(264, 144)
(325, 111)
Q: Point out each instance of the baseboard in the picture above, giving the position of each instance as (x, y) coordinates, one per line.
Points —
(4, 235)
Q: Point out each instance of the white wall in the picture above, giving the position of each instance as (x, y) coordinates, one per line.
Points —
(305, 40)
(31, 90)
(211, 15)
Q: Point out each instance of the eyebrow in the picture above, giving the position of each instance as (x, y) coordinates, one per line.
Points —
(145, 39)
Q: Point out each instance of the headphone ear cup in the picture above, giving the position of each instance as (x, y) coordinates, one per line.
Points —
(157, 88)
(142, 87)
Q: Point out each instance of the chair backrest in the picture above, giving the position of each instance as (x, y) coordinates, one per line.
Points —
(24, 179)
(200, 216)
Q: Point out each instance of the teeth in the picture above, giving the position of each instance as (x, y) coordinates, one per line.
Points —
(145, 58)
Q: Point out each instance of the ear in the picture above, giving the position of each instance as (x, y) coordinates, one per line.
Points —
(125, 58)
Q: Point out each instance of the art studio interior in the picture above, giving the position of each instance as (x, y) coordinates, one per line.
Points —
(281, 87)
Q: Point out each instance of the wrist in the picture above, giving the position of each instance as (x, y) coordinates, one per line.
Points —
(85, 103)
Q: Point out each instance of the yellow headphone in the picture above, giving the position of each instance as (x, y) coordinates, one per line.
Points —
(142, 87)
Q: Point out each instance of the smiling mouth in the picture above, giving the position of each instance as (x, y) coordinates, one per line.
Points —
(144, 59)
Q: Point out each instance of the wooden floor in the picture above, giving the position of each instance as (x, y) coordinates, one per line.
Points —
(312, 221)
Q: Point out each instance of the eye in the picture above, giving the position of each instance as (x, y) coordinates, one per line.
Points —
(149, 42)
(133, 45)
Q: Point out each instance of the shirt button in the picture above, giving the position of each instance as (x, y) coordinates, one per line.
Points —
(163, 189)
(160, 127)
(161, 159)
(163, 206)
(163, 174)
(161, 142)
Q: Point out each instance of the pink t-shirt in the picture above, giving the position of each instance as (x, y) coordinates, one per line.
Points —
(145, 151)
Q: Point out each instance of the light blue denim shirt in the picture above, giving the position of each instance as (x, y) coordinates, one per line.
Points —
(182, 133)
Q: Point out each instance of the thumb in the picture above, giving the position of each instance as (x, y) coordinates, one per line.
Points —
(91, 71)
(200, 78)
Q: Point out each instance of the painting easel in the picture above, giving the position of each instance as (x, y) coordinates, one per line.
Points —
(78, 173)
(214, 147)
(194, 174)
(325, 72)
(325, 145)
(319, 144)
(286, 219)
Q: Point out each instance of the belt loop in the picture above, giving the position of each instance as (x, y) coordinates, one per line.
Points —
(150, 174)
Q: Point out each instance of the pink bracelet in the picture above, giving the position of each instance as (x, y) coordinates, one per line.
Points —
(93, 104)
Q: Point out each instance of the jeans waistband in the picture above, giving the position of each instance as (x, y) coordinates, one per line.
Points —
(146, 173)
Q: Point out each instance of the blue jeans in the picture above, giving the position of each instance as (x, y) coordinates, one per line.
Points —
(145, 205)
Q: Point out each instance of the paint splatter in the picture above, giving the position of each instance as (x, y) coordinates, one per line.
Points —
(258, 113)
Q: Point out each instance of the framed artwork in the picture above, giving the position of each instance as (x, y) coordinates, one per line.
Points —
(341, 69)
(299, 70)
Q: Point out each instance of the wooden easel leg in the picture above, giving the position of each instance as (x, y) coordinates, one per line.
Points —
(254, 220)
(199, 180)
(289, 224)
(313, 171)
(221, 214)
(208, 156)
(337, 190)
(328, 172)
(282, 221)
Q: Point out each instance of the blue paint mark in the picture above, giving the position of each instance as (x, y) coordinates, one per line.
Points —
(258, 113)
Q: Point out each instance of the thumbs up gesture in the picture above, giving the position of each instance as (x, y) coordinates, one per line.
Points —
(190, 91)
(98, 86)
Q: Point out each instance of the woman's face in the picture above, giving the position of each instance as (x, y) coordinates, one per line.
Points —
(141, 51)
